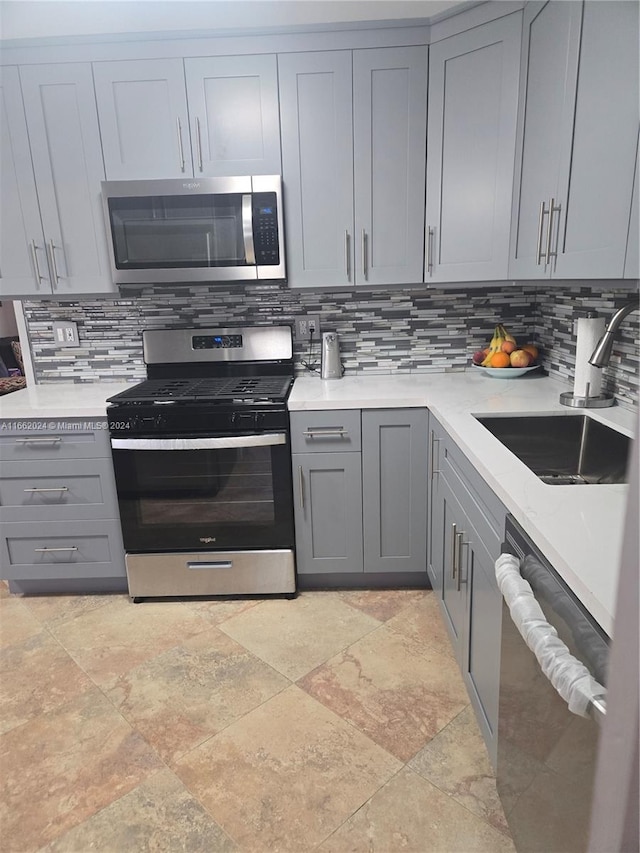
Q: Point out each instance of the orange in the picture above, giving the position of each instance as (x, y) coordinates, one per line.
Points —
(500, 359)
(531, 349)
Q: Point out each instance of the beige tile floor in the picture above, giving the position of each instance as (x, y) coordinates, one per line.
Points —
(336, 722)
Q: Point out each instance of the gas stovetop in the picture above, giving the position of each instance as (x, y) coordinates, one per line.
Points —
(242, 390)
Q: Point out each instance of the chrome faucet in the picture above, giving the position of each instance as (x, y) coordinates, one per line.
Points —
(602, 352)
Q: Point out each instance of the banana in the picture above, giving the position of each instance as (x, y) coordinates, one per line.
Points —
(506, 335)
(495, 346)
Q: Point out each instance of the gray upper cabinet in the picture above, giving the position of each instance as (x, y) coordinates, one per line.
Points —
(22, 248)
(549, 65)
(64, 140)
(317, 166)
(394, 488)
(144, 123)
(389, 122)
(632, 264)
(233, 107)
(473, 105)
(598, 171)
(577, 137)
(353, 137)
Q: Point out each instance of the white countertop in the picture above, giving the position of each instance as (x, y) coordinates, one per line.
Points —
(579, 529)
(60, 400)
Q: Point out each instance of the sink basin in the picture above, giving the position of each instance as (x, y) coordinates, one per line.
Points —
(564, 449)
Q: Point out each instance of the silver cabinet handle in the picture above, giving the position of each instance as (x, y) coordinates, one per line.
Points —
(540, 253)
(459, 545)
(247, 230)
(301, 481)
(199, 143)
(553, 208)
(216, 564)
(347, 248)
(454, 564)
(321, 432)
(54, 266)
(52, 550)
(434, 441)
(55, 489)
(52, 439)
(365, 240)
(429, 251)
(36, 265)
(180, 148)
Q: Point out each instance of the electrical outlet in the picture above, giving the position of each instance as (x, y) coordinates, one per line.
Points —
(305, 325)
(65, 333)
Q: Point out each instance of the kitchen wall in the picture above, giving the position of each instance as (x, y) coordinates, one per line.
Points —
(410, 329)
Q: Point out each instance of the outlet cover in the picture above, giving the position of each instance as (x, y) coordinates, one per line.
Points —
(305, 324)
(65, 333)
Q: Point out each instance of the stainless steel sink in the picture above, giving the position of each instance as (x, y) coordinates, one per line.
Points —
(564, 449)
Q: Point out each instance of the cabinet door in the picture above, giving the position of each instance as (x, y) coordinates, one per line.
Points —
(473, 103)
(597, 169)
(23, 265)
(317, 167)
(233, 107)
(389, 127)
(65, 144)
(450, 520)
(394, 488)
(548, 73)
(328, 512)
(435, 542)
(632, 264)
(142, 106)
(482, 667)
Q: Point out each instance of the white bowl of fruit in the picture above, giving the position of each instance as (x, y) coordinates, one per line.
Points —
(504, 359)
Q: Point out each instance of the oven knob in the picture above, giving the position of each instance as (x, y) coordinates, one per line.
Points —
(258, 418)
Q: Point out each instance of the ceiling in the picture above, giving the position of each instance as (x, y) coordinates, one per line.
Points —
(54, 19)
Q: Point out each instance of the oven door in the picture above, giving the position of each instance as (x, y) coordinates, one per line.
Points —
(209, 493)
(206, 230)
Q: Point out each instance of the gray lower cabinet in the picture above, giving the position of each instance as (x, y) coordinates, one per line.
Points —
(473, 105)
(465, 531)
(577, 139)
(360, 493)
(353, 160)
(58, 508)
(394, 488)
(65, 232)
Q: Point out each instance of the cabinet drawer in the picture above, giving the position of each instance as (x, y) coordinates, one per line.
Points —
(60, 439)
(56, 549)
(57, 490)
(328, 432)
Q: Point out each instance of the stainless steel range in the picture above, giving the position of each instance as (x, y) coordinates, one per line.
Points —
(202, 460)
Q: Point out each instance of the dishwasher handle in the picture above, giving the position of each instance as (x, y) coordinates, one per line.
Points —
(569, 676)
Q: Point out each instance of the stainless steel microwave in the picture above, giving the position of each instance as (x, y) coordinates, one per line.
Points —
(201, 229)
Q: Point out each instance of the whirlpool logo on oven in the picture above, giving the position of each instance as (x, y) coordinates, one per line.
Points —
(193, 185)
(207, 539)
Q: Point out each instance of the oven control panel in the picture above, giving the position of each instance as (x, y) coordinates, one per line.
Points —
(216, 341)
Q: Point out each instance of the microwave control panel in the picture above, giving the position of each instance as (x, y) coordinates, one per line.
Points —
(266, 242)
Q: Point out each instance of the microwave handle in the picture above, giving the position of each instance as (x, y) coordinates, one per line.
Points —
(247, 230)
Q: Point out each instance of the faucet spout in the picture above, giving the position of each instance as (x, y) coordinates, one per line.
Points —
(602, 352)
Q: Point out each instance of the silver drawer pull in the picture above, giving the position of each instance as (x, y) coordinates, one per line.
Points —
(460, 544)
(52, 489)
(218, 564)
(321, 433)
(301, 479)
(51, 550)
(52, 439)
(454, 562)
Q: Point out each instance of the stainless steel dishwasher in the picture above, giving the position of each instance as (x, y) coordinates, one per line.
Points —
(547, 754)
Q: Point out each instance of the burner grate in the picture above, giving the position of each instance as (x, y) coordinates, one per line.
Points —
(213, 389)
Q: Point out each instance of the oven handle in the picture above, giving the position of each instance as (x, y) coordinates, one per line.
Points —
(227, 441)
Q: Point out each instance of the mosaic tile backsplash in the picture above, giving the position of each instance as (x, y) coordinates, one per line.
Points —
(380, 332)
